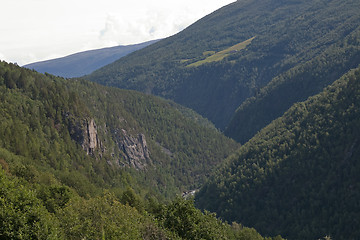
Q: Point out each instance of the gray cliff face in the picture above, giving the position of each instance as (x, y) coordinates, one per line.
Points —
(136, 151)
(91, 140)
(131, 149)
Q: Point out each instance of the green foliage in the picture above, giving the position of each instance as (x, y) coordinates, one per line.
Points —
(189, 223)
(54, 197)
(100, 218)
(33, 211)
(297, 177)
(40, 211)
(132, 199)
(22, 215)
(181, 217)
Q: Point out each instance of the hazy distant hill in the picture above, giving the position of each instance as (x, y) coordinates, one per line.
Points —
(214, 65)
(299, 176)
(83, 63)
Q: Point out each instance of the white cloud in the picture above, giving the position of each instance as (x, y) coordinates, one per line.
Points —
(153, 21)
(153, 25)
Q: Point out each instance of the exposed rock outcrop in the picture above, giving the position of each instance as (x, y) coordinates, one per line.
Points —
(130, 149)
(136, 151)
(91, 140)
(84, 133)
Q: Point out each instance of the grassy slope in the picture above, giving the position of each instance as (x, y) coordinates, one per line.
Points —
(218, 56)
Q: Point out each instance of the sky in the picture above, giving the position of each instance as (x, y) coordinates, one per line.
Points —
(37, 30)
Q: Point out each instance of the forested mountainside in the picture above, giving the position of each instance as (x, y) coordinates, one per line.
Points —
(91, 136)
(217, 63)
(82, 161)
(299, 176)
(83, 63)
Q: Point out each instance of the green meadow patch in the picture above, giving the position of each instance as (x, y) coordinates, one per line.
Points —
(215, 57)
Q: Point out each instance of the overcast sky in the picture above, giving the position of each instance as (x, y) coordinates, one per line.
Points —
(36, 30)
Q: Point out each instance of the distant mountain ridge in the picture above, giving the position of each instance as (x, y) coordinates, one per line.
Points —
(83, 63)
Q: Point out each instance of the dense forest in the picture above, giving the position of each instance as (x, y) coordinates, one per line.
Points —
(56, 185)
(299, 175)
(292, 41)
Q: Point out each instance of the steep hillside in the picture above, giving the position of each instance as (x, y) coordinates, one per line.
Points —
(83, 63)
(228, 56)
(106, 134)
(297, 177)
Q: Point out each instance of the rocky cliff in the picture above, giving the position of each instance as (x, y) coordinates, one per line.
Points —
(135, 149)
(91, 140)
(132, 149)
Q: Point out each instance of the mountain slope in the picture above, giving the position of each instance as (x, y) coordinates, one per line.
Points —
(297, 177)
(284, 34)
(103, 135)
(83, 63)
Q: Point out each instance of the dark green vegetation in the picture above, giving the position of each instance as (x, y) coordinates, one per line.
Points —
(63, 177)
(82, 63)
(299, 176)
(299, 48)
